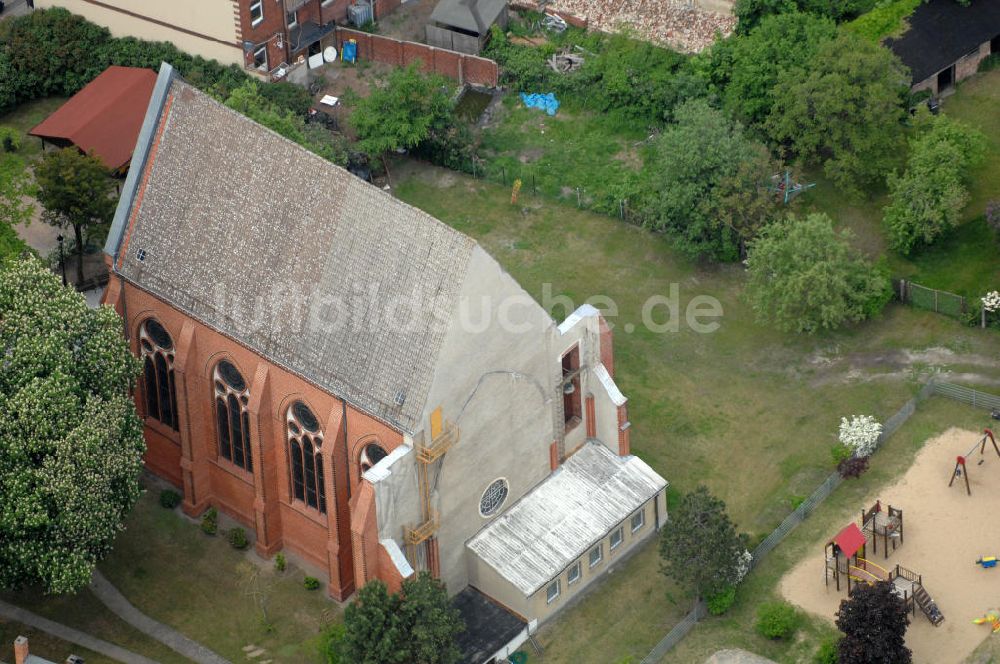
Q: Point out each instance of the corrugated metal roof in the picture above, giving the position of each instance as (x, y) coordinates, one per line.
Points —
(289, 254)
(105, 116)
(561, 518)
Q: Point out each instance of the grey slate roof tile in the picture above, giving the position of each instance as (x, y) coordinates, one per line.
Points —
(294, 257)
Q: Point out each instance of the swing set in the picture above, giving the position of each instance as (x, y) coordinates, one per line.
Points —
(961, 470)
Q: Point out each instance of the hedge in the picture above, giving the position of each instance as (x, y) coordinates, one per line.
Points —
(51, 52)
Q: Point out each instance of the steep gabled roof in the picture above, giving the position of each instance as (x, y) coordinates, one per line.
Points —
(942, 31)
(288, 254)
(105, 115)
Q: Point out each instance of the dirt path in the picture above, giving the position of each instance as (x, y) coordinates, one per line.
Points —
(945, 531)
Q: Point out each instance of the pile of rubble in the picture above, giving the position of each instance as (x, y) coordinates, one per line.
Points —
(673, 23)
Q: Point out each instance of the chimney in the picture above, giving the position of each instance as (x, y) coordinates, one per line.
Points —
(21, 650)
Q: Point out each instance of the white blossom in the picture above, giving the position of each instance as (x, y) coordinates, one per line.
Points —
(860, 433)
(742, 567)
(991, 301)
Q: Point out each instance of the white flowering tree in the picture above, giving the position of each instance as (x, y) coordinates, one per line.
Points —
(991, 302)
(860, 433)
(71, 444)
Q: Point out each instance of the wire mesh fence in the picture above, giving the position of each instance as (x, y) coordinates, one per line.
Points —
(798, 515)
(932, 299)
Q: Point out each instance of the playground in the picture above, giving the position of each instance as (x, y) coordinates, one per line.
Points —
(933, 564)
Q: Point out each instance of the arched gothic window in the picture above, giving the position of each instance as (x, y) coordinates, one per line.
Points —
(231, 398)
(157, 352)
(371, 454)
(304, 442)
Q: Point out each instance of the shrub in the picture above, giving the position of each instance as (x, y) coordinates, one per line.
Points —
(827, 653)
(776, 620)
(853, 467)
(840, 452)
(279, 562)
(721, 602)
(238, 538)
(10, 139)
(310, 583)
(210, 521)
(860, 434)
(169, 499)
(331, 644)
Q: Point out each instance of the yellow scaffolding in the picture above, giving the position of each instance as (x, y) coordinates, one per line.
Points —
(443, 435)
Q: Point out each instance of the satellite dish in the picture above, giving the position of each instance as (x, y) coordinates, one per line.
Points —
(330, 54)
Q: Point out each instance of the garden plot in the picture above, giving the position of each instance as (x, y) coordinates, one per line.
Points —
(946, 532)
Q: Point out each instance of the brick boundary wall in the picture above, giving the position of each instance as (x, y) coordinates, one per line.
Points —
(457, 66)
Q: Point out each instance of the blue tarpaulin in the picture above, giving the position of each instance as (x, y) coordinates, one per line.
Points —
(547, 102)
(349, 51)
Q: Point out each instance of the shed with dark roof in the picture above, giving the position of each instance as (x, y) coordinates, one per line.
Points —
(946, 41)
(104, 117)
(464, 25)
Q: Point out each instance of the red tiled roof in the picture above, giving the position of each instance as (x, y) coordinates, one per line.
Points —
(850, 539)
(105, 116)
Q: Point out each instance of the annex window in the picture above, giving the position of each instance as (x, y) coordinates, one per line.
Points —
(493, 498)
(232, 420)
(638, 520)
(260, 58)
(157, 353)
(371, 454)
(573, 575)
(596, 555)
(552, 591)
(572, 408)
(304, 442)
(256, 12)
(616, 538)
(293, 18)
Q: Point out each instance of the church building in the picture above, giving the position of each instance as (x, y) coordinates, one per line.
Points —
(358, 383)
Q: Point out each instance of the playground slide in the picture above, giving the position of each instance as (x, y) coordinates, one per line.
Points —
(868, 572)
(927, 605)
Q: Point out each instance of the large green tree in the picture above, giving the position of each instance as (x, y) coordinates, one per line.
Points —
(846, 111)
(76, 191)
(781, 43)
(806, 277)
(873, 620)
(71, 444)
(710, 182)
(418, 625)
(402, 110)
(15, 188)
(750, 13)
(928, 198)
(700, 548)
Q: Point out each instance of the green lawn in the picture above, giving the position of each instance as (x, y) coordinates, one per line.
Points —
(178, 575)
(748, 411)
(27, 116)
(558, 154)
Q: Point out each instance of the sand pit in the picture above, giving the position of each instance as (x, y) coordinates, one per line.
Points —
(945, 531)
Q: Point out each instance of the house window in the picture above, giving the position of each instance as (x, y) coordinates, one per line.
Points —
(573, 575)
(304, 442)
(233, 422)
(572, 409)
(596, 555)
(256, 12)
(494, 497)
(552, 592)
(371, 454)
(638, 520)
(616, 538)
(260, 58)
(157, 354)
(293, 18)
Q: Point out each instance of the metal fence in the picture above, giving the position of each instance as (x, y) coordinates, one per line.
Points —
(799, 515)
(967, 395)
(933, 299)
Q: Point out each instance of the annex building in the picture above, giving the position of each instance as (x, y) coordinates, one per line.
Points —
(357, 382)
